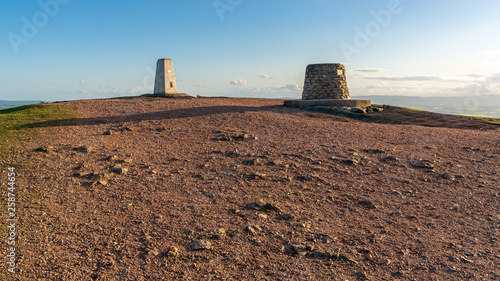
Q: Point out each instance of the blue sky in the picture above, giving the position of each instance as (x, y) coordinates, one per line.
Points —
(75, 49)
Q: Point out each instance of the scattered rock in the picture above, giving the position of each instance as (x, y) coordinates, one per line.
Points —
(275, 162)
(253, 229)
(102, 182)
(262, 216)
(253, 162)
(465, 260)
(255, 176)
(199, 245)
(257, 242)
(324, 238)
(171, 252)
(218, 233)
(241, 137)
(358, 110)
(319, 169)
(287, 217)
(120, 170)
(424, 164)
(361, 275)
(298, 249)
(107, 133)
(448, 176)
(84, 149)
(111, 158)
(471, 149)
(341, 257)
(46, 149)
(262, 206)
(396, 192)
(377, 109)
(367, 203)
(285, 179)
(389, 159)
(162, 129)
(310, 178)
(350, 162)
(375, 151)
(320, 255)
(153, 252)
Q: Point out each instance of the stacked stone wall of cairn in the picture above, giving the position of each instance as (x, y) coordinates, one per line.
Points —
(325, 81)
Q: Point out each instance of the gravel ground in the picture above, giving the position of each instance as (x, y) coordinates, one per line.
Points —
(246, 189)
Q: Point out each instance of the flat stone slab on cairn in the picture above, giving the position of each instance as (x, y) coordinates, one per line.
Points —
(325, 85)
(328, 102)
(174, 96)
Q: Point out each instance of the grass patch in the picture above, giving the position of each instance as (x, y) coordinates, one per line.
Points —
(16, 124)
(409, 108)
(488, 119)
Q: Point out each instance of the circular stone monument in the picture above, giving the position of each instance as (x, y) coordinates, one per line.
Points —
(325, 81)
(325, 84)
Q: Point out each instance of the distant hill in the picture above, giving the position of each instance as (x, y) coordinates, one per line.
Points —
(484, 106)
(4, 104)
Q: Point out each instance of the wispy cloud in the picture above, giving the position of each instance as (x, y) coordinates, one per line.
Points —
(239, 82)
(265, 76)
(293, 75)
(288, 87)
(428, 78)
(480, 86)
(406, 78)
(82, 83)
(368, 70)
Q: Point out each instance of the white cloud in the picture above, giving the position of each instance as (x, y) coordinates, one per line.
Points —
(239, 82)
(288, 87)
(475, 75)
(434, 86)
(293, 75)
(82, 92)
(82, 83)
(406, 78)
(368, 70)
(428, 78)
(488, 86)
(265, 76)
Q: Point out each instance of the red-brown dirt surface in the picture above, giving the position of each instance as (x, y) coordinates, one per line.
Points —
(275, 193)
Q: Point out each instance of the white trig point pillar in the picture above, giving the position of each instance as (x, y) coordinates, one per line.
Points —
(165, 78)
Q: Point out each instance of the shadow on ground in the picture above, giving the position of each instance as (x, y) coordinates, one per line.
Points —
(159, 115)
(391, 115)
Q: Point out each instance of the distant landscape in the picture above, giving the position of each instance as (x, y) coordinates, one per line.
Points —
(4, 104)
(480, 106)
(477, 106)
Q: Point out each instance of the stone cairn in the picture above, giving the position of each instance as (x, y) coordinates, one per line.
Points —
(325, 85)
(325, 81)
